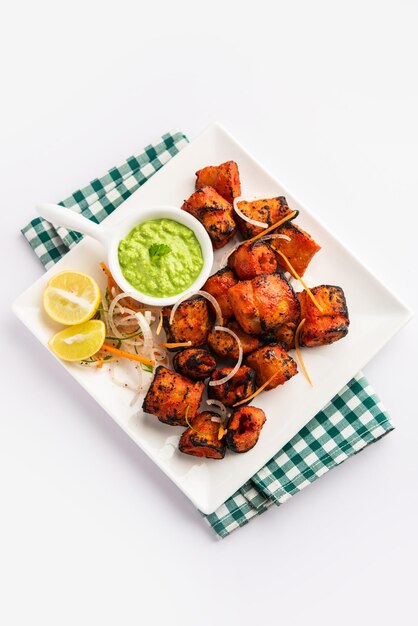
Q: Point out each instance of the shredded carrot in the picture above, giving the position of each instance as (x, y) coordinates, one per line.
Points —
(199, 432)
(272, 227)
(299, 353)
(181, 344)
(111, 283)
(302, 282)
(127, 355)
(259, 390)
(221, 432)
(100, 363)
(160, 323)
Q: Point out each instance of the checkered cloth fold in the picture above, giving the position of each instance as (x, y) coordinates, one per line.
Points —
(353, 419)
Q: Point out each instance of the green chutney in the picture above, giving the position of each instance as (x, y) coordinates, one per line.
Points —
(174, 267)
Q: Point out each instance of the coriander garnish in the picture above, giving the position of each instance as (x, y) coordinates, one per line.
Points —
(158, 250)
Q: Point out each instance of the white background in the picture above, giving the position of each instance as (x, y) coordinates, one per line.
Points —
(325, 95)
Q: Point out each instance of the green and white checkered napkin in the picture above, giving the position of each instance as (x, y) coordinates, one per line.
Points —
(353, 419)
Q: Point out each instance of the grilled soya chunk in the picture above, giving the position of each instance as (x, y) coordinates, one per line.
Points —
(270, 211)
(194, 363)
(224, 178)
(218, 285)
(191, 322)
(285, 334)
(202, 440)
(224, 345)
(271, 359)
(299, 250)
(237, 388)
(260, 305)
(214, 212)
(321, 328)
(244, 427)
(169, 396)
(252, 259)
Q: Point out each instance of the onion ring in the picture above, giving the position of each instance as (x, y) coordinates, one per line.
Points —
(222, 381)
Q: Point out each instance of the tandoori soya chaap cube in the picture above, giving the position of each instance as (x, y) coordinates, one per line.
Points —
(327, 325)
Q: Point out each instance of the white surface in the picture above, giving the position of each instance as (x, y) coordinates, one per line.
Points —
(324, 94)
(206, 482)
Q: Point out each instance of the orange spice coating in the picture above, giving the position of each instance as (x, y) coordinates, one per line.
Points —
(268, 210)
(244, 427)
(252, 259)
(224, 345)
(299, 250)
(214, 212)
(239, 387)
(218, 285)
(260, 305)
(326, 326)
(271, 359)
(202, 440)
(194, 363)
(169, 396)
(190, 323)
(224, 178)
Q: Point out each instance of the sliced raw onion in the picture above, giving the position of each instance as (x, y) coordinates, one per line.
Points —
(287, 217)
(143, 386)
(136, 397)
(245, 217)
(200, 432)
(222, 381)
(275, 236)
(206, 295)
(160, 323)
(140, 386)
(230, 252)
(159, 353)
(118, 381)
(126, 319)
(146, 332)
(111, 312)
(222, 408)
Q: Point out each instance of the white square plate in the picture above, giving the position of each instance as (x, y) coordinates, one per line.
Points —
(375, 313)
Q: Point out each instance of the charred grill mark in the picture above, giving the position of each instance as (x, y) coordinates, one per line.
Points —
(194, 363)
(330, 324)
(169, 394)
(191, 322)
(269, 361)
(202, 440)
(214, 212)
(237, 388)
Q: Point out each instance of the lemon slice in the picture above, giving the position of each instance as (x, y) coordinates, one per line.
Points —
(71, 298)
(79, 342)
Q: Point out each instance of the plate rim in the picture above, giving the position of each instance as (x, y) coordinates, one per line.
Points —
(407, 312)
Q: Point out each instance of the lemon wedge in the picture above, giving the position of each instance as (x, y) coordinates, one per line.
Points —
(78, 342)
(71, 297)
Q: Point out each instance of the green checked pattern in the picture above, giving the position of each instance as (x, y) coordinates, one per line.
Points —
(353, 419)
(101, 197)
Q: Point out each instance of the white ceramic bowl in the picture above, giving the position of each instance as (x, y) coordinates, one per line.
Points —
(111, 237)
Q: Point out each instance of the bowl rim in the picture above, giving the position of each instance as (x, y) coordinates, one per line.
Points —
(122, 229)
